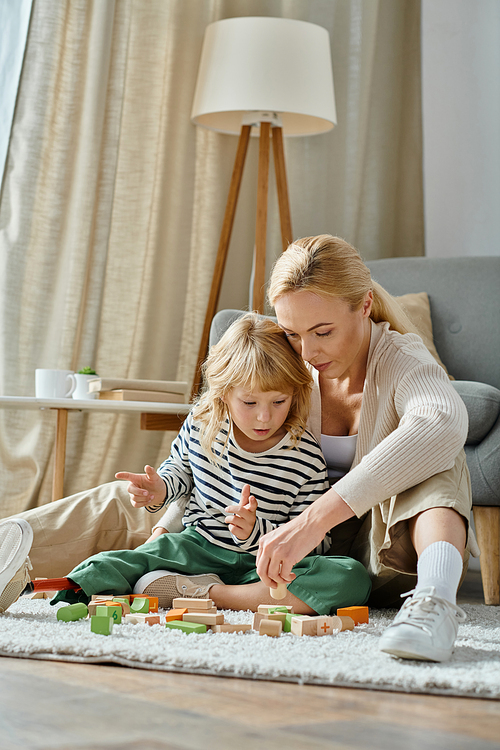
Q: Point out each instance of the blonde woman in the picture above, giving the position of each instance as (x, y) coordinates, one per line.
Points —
(246, 465)
(392, 430)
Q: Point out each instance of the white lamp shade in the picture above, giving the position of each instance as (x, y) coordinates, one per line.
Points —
(276, 65)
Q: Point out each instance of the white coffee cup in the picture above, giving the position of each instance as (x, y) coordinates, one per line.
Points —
(82, 386)
(54, 383)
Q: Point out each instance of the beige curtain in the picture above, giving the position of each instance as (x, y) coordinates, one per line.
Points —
(112, 202)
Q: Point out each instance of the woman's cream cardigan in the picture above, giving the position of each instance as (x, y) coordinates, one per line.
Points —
(413, 424)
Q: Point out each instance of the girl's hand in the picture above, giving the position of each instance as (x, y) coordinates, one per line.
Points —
(156, 533)
(242, 522)
(144, 489)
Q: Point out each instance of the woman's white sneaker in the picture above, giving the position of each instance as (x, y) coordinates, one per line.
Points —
(425, 628)
(168, 586)
(16, 537)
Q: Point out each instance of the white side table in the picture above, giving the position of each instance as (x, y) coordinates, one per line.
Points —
(154, 415)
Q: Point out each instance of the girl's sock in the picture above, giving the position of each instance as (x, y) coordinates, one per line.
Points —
(440, 565)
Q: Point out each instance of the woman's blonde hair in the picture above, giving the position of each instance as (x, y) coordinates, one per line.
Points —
(330, 267)
(253, 354)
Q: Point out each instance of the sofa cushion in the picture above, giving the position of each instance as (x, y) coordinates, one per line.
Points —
(418, 308)
(483, 407)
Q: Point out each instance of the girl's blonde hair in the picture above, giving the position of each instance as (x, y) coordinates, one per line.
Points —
(330, 267)
(253, 354)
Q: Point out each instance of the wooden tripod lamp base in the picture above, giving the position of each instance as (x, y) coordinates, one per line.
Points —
(269, 128)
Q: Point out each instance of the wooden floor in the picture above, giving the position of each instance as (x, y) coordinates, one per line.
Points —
(55, 705)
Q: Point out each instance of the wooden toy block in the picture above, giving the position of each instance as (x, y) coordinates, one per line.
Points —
(265, 609)
(258, 616)
(287, 625)
(175, 614)
(328, 625)
(227, 627)
(102, 597)
(124, 602)
(143, 619)
(91, 607)
(279, 592)
(37, 595)
(110, 610)
(206, 619)
(153, 601)
(304, 626)
(273, 628)
(139, 606)
(186, 627)
(358, 614)
(347, 622)
(72, 612)
(101, 625)
(281, 616)
(193, 604)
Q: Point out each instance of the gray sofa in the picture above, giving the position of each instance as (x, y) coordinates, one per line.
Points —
(465, 311)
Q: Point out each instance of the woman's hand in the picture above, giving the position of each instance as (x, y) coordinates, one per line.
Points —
(242, 522)
(144, 489)
(287, 545)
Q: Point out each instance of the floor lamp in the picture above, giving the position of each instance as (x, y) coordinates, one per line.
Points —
(260, 76)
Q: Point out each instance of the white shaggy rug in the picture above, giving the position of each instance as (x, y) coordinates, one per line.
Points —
(30, 629)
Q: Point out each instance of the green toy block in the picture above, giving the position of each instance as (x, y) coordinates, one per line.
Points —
(287, 625)
(139, 605)
(104, 610)
(187, 627)
(278, 609)
(101, 625)
(72, 612)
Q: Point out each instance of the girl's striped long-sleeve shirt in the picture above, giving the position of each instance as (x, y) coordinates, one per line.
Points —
(284, 480)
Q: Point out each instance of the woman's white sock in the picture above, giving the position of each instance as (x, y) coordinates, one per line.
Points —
(440, 565)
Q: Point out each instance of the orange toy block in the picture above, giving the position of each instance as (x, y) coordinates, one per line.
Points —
(175, 614)
(229, 628)
(143, 619)
(153, 601)
(358, 614)
(273, 628)
(193, 604)
(208, 619)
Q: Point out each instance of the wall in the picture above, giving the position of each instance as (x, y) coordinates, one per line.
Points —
(461, 126)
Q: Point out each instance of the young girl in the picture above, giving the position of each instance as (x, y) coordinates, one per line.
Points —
(246, 434)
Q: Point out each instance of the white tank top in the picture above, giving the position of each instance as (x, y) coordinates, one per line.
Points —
(338, 451)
